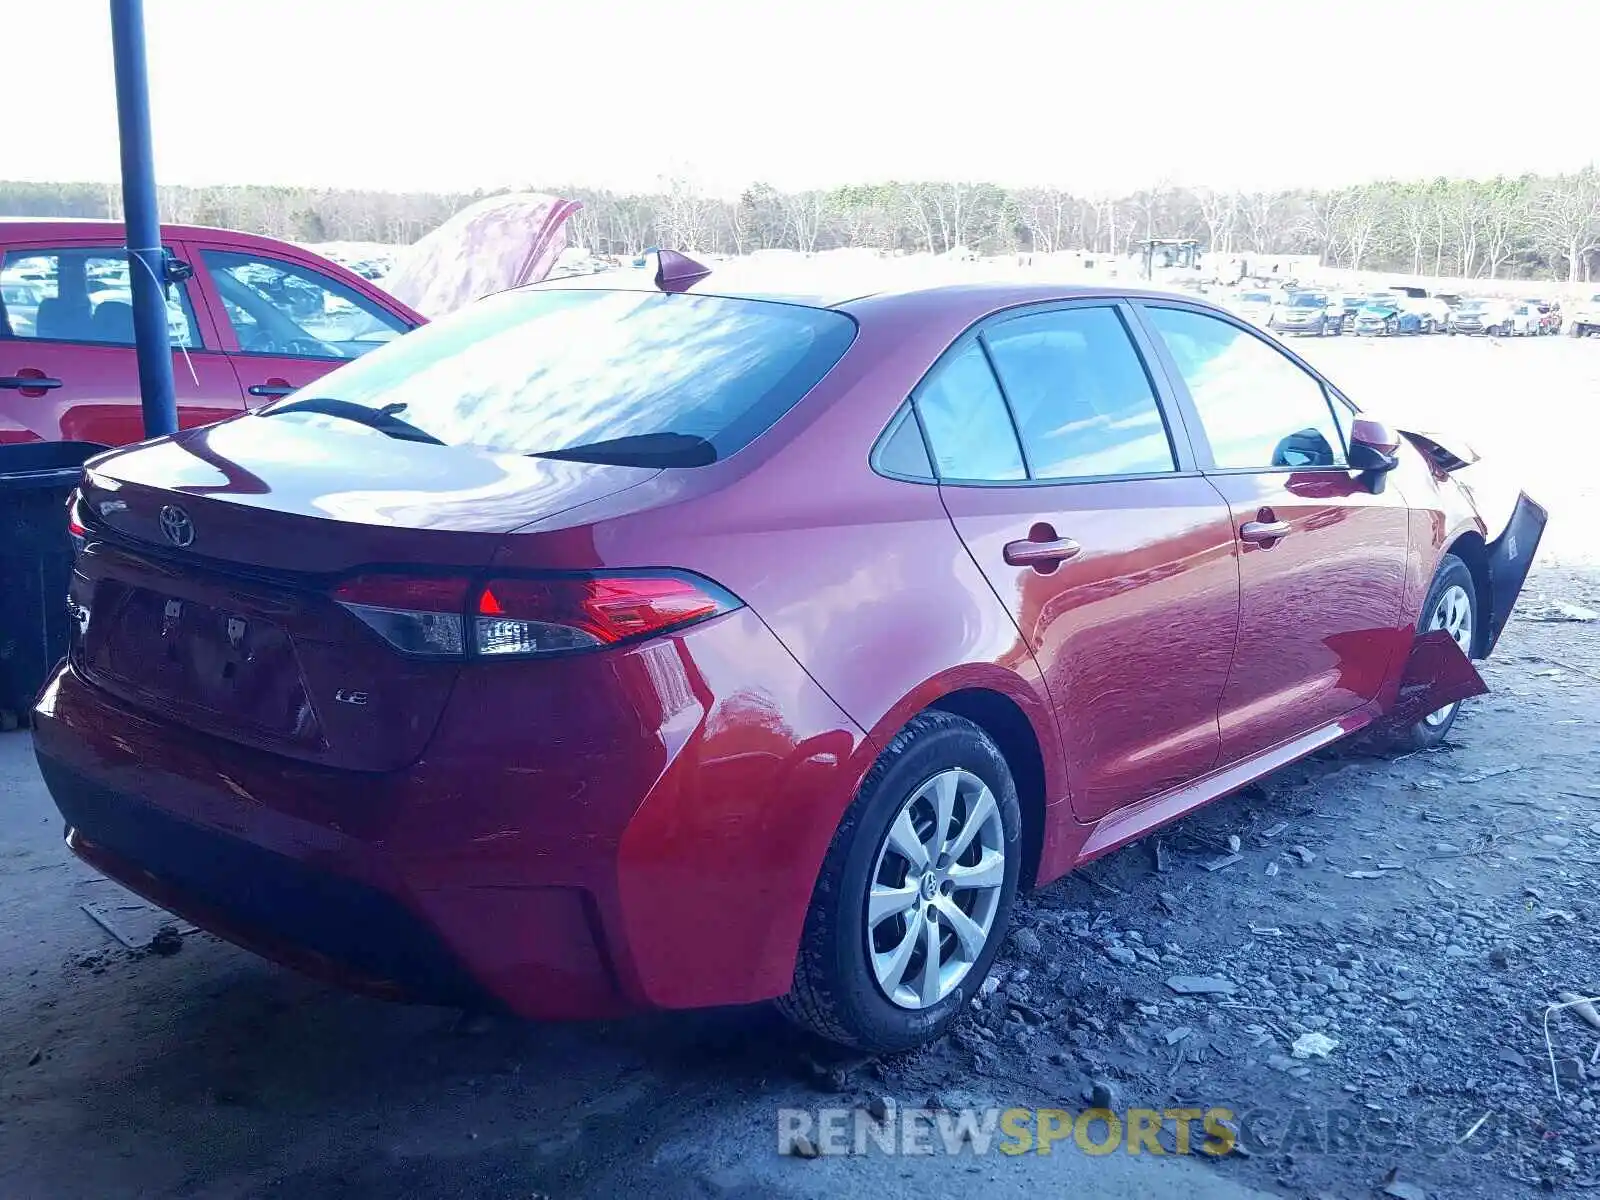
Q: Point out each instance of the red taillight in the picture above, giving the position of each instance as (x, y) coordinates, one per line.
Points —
(417, 614)
(546, 616)
(527, 616)
(75, 526)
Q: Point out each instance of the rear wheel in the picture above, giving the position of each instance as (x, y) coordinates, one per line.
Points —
(915, 894)
(1452, 605)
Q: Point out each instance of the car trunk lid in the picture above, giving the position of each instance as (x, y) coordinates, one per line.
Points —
(204, 588)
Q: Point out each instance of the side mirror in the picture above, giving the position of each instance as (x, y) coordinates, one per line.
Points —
(175, 268)
(1374, 451)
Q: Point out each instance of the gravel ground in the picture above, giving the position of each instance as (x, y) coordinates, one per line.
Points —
(1419, 914)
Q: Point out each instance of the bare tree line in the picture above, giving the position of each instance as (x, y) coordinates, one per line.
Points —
(1545, 226)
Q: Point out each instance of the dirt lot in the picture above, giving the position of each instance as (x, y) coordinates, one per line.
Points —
(1417, 913)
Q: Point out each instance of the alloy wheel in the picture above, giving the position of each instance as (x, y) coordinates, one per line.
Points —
(1453, 614)
(935, 889)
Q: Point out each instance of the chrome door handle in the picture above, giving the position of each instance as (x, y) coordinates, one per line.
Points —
(1263, 531)
(1041, 554)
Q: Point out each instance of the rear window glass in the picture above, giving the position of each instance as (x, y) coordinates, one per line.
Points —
(537, 370)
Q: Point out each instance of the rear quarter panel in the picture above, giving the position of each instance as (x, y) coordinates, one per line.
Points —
(861, 577)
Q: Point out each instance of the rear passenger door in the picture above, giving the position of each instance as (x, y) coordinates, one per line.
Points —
(1321, 557)
(1075, 491)
(68, 369)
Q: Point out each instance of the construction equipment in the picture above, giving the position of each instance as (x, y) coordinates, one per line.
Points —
(1169, 260)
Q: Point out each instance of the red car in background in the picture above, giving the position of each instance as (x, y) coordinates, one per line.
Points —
(257, 319)
(609, 647)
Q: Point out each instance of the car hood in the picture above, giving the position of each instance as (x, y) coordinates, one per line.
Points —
(498, 243)
(1444, 450)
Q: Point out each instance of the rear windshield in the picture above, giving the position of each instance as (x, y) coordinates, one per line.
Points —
(539, 370)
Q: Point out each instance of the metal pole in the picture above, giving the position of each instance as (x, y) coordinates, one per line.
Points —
(146, 262)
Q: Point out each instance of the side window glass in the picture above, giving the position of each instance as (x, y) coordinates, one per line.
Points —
(903, 453)
(1078, 389)
(1259, 409)
(283, 308)
(969, 430)
(81, 295)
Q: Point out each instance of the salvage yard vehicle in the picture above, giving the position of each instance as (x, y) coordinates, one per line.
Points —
(1547, 314)
(1255, 307)
(1350, 305)
(1304, 312)
(1526, 320)
(1586, 316)
(1432, 313)
(256, 319)
(1383, 317)
(525, 663)
(1483, 316)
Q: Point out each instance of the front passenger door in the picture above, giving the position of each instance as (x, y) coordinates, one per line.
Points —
(1321, 557)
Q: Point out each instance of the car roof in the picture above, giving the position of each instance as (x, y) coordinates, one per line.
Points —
(13, 229)
(957, 292)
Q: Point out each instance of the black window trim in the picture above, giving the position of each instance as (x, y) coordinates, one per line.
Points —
(1146, 350)
(1204, 456)
(112, 251)
(906, 412)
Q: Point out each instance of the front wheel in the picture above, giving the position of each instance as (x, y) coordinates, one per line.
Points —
(1451, 605)
(915, 894)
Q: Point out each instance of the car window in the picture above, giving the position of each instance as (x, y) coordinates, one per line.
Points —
(81, 295)
(903, 452)
(283, 308)
(965, 418)
(1258, 408)
(539, 370)
(1079, 393)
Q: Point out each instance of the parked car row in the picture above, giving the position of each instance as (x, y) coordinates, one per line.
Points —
(1405, 310)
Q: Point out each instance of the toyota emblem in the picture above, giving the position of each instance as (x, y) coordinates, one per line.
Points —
(175, 523)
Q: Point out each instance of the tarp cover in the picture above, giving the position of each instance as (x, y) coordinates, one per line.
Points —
(487, 247)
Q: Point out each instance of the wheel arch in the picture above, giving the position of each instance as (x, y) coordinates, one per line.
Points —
(1472, 550)
(1003, 720)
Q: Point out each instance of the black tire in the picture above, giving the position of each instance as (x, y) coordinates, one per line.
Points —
(1452, 572)
(836, 994)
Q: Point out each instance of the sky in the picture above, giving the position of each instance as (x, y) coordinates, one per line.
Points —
(1109, 95)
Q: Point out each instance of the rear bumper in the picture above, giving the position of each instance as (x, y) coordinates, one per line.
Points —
(584, 837)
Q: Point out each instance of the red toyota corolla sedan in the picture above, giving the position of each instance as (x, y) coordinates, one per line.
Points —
(612, 647)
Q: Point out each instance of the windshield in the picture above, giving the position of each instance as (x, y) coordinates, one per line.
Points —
(1307, 301)
(535, 371)
(1255, 298)
(1474, 305)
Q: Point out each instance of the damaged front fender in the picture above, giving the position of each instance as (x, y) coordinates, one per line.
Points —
(1437, 673)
